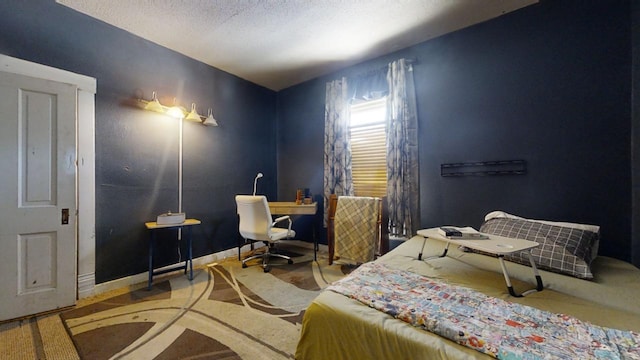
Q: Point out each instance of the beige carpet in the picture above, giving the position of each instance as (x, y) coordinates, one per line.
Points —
(42, 337)
(226, 312)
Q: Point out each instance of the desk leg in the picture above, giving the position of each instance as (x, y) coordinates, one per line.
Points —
(185, 238)
(314, 233)
(424, 242)
(151, 241)
(189, 254)
(539, 285)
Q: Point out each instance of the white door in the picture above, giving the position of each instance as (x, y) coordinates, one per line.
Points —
(37, 195)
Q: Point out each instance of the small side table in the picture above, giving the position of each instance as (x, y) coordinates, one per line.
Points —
(154, 227)
(496, 245)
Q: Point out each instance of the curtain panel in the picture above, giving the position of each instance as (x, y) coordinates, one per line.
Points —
(402, 150)
(337, 148)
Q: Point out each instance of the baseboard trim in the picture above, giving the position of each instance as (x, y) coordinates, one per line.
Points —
(86, 285)
(89, 288)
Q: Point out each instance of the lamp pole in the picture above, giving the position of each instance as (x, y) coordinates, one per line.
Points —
(180, 167)
(181, 120)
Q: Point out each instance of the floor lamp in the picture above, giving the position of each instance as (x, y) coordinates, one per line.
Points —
(179, 113)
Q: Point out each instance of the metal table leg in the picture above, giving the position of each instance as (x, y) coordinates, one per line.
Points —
(190, 254)
(539, 284)
(151, 241)
(424, 242)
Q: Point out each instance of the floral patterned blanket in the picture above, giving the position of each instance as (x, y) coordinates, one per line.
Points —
(492, 326)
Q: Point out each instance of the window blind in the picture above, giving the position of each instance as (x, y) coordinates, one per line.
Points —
(369, 148)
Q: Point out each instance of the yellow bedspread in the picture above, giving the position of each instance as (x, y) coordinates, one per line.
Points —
(336, 327)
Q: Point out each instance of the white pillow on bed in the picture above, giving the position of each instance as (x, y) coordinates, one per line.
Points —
(592, 228)
(563, 248)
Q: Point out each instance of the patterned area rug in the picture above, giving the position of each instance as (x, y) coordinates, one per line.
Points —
(43, 337)
(225, 312)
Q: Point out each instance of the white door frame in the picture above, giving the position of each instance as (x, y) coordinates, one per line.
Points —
(85, 138)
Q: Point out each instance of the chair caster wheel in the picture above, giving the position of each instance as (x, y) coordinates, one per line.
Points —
(289, 261)
(244, 266)
(266, 269)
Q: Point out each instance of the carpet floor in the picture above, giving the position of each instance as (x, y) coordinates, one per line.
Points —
(41, 337)
(225, 312)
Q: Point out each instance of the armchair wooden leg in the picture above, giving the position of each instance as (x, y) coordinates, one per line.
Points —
(330, 242)
(331, 254)
(333, 203)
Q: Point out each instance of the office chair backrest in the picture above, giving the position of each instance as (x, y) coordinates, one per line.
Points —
(255, 217)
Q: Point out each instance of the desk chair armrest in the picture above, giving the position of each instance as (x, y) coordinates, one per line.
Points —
(281, 218)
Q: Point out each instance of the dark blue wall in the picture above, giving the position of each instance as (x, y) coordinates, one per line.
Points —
(635, 128)
(549, 84)
(137, 151)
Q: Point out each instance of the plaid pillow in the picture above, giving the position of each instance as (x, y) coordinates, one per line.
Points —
(562, 249)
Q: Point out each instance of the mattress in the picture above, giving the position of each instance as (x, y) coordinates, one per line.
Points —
(337, 327)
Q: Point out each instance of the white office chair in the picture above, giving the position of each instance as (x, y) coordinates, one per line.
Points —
(256, 224)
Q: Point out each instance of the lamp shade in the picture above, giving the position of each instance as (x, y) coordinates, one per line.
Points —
(210, 121)
(193, 115)
(154, 104)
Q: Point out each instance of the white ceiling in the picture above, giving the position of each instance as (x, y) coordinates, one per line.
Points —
(280, 43)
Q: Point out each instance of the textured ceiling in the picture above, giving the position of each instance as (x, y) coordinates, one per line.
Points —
(278, 43)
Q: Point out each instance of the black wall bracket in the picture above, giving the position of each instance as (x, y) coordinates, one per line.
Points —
(484, 168)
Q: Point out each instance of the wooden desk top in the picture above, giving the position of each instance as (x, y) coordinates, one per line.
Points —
(188, 222)
(291, 208)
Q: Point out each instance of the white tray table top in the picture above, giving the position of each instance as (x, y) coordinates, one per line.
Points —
(498, 245)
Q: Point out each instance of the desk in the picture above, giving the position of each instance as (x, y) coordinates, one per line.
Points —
(496, 245)
(291, 208)
(154, 227)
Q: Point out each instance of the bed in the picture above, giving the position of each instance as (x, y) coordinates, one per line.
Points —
(340, 326)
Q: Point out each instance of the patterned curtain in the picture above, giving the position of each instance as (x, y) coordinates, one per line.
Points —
(337, 148)
(402, 150)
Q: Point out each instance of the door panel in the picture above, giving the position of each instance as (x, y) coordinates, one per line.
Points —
(37, 255)
(37, 174)
(36, 149)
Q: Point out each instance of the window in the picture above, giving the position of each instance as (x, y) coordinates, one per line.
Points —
(369, 148)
